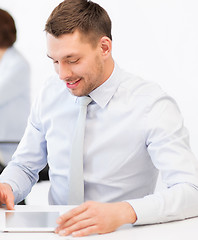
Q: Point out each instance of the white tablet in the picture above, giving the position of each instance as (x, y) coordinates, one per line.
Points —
(20, 221)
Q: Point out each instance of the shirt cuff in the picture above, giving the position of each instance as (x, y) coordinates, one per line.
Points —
(146, 210)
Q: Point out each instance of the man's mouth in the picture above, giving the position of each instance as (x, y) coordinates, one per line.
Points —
(73, 84)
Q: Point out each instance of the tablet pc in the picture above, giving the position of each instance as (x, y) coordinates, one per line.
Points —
(20, 221)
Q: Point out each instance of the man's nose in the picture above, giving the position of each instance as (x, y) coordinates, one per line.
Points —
(64, 72)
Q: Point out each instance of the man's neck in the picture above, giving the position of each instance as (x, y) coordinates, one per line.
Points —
(109, 68)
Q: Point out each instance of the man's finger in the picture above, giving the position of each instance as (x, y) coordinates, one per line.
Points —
(77, 218)
(86, 231)
(76, 227)
(7, 196)
(70, 214)
(10, 202)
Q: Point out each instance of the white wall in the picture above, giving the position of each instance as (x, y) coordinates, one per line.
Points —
(155, 39)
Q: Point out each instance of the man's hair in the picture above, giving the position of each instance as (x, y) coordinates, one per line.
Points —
(7, 29)
(89, 18)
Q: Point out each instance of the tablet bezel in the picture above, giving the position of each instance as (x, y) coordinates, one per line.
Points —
(4, 228)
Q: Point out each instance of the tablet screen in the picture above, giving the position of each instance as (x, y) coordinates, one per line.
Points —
(31, 220)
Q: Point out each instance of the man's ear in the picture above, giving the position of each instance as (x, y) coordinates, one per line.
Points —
(105, 46)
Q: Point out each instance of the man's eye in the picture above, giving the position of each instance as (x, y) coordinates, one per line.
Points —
(55, 62)
(73, 61)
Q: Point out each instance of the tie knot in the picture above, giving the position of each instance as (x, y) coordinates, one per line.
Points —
(84, 100)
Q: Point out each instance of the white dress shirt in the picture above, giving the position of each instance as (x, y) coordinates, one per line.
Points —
(133, 129)
(14, 100)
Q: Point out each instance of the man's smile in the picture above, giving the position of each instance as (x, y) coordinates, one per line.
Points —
(73, 84)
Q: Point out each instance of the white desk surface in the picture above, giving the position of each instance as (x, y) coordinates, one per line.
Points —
(179, 230)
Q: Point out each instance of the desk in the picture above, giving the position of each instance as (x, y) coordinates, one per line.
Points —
(179, 230)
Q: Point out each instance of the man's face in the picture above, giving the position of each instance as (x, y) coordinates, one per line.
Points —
(77, 62)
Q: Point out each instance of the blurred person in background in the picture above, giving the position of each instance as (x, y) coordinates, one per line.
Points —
(14, 90)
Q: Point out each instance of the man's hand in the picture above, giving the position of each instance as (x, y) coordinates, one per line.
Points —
(6, 196)
(94, 217)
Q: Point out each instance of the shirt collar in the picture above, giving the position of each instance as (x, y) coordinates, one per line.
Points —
(103, 94)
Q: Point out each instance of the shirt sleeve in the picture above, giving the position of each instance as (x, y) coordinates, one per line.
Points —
(28, 160)
(167, 142)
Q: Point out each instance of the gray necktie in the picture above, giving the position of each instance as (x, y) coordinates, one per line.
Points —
(76, 181)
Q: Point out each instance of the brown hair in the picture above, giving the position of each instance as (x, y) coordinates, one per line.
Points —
(7, 30)
(87, 17)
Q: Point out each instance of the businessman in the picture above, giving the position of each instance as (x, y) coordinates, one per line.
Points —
(133, 130)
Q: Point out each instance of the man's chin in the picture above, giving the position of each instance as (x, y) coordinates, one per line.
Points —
(77, 94)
